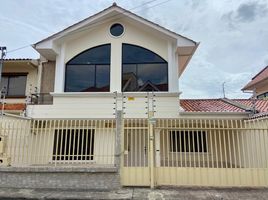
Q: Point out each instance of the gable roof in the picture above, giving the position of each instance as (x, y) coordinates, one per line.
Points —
(261, 76)
(120, 11)
(221, 105)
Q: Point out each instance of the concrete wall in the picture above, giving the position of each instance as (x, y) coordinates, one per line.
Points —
(48, 77)
(49, 178)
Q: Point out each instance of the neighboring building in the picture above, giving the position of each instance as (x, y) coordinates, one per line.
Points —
(19, 80)
(107, 112)
(259, 84)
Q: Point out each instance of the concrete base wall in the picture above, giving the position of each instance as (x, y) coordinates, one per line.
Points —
(82, 179)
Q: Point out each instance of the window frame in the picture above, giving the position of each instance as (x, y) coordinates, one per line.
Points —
(73, 134)
(95, 68)
(183, 133)
(136, 64)
(10, 74)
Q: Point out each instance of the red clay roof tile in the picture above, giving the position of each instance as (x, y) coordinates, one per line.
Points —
(218, 105)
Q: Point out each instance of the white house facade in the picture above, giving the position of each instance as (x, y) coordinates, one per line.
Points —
(109, 62)
(107, 113)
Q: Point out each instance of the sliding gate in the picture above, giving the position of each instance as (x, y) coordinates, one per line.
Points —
(201, 152)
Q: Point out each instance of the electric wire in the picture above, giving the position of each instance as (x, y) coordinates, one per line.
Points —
(102, 21)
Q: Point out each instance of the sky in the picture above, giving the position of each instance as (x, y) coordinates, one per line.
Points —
(233, 35)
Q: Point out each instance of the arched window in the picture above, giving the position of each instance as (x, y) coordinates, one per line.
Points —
(143, 70)
(89, 71)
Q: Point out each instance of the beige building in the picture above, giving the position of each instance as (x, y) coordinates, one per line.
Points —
(19, 81)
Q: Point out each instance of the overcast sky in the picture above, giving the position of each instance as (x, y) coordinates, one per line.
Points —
(233, 35)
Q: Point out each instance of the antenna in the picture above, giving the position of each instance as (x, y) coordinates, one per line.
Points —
(223, 89)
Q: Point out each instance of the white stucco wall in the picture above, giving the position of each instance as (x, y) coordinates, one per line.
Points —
(101, 35)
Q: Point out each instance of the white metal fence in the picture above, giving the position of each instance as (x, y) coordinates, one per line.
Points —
(57, 142)
(203, 152)
(207, 152)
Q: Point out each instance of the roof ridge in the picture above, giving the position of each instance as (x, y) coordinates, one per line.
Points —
(236, 104)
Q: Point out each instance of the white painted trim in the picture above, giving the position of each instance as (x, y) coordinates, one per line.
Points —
(110, 94)
(60, 70)
(172, 75)
(183, 40)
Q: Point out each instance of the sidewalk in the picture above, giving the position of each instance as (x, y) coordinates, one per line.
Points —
(140, 193)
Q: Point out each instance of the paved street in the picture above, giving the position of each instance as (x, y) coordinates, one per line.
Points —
(140, 193)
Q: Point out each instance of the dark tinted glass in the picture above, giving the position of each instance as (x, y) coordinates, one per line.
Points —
(129, 80)
(17, 86)
(103, 77)
(14, 85)
(4, 83)
(144, 72)
(89, 71)
(96, 55)
(80, 78)
(135, 54)
(152, 77)
(116, 29)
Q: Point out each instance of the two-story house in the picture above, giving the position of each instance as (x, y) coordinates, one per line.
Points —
(110, 56)
(107, 113)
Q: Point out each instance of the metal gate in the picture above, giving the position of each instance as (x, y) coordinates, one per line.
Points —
(202, 152)
(135, 162)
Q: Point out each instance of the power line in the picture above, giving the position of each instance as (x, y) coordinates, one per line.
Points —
(23, 47)
(97, 22)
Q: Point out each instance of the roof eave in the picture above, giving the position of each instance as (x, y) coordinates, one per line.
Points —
(119, 10)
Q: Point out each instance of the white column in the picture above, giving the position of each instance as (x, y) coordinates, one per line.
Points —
(60, 70)
(172, 68)
(116, 66)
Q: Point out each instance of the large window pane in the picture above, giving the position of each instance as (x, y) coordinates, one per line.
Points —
(103, 77)
(129, 80)
(143, 70)
(89, 71)
(96, 55)
(134, 54)
(80, 78)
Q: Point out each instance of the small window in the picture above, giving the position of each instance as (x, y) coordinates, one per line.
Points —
(73, 144)
(263, 96)
(117, 30)
(188, 141)
(13, 85)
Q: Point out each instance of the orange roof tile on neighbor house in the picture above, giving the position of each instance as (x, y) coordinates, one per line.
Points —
(262, 75)
(221, 105)
(14, 106)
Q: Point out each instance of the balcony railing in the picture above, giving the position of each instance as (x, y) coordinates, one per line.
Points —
(41, 99)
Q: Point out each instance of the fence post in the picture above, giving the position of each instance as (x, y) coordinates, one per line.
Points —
(118, 136)
(151, 148)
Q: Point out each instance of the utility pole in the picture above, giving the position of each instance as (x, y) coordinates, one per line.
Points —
(3, 51)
